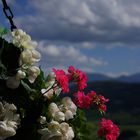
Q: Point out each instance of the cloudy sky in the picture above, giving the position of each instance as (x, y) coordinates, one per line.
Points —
(100, 36)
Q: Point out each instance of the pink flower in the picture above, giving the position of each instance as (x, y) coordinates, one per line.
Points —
(83, 101)
(102, 107)
(108, 130)
(77, 76)
(110, 137)
(92, 94)
(102, 99)
(62, 80)
(100, 102)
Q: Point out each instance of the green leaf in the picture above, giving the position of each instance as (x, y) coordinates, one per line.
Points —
(27, 87)
(22, 112)
(3, 31)
(40, 82)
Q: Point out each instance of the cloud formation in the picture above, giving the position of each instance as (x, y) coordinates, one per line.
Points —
(79, 20)
(83, 33)
(64, 56)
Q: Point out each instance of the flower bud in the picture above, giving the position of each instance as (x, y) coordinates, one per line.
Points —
(42, 120)
(68, 115)
(20, 75)
(33, 72)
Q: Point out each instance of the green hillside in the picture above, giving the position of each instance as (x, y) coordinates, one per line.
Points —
(123, 107)
(123, 96)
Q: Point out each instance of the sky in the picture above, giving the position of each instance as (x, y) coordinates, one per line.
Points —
(101, 36)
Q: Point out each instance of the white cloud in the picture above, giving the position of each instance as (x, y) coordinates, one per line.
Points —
(114, 75)
(58, 56)
(87, 45)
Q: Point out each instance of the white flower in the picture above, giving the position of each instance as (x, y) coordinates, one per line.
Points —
(20, 75)
(33, 72)
(67, 131)
(57, 91)
(64, 127)
(54, 126)
(29, 56)
(53, 108)
(26, 57)
(73, 108)
(50, 80)
(59, 116)
(12, 82)
(35, 56)
(51, 76)
(53, 131)
(48, 94)
(28, 44)
(10, 107)
(21, 39)
(64, 111)
(6, 131)
(42, 120)
(57, 131)
(50, 83)
(70, 134)
(67, 102)
(9, 120)
(68, 115)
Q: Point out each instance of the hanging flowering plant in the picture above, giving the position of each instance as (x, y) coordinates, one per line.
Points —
(40, 107)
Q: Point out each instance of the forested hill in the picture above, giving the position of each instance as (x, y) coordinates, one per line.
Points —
(123, 96)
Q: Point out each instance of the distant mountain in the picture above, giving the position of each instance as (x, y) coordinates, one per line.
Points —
(135, 78)
(98, 77)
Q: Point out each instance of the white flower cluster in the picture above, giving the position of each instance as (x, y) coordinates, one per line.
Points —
(65, 111)
(57, 128)
(57, 131)
(9, 120)
(29, 56)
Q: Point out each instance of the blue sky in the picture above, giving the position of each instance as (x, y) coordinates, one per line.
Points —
(100, 36)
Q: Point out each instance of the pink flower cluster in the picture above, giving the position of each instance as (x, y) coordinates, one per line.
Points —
(100, 102)
(74, 75)
(86, 101)
(77, 76)
(62, 79)
(83, 101)
(108, 130)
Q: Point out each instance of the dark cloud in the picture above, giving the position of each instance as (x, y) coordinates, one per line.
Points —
(79, 20)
